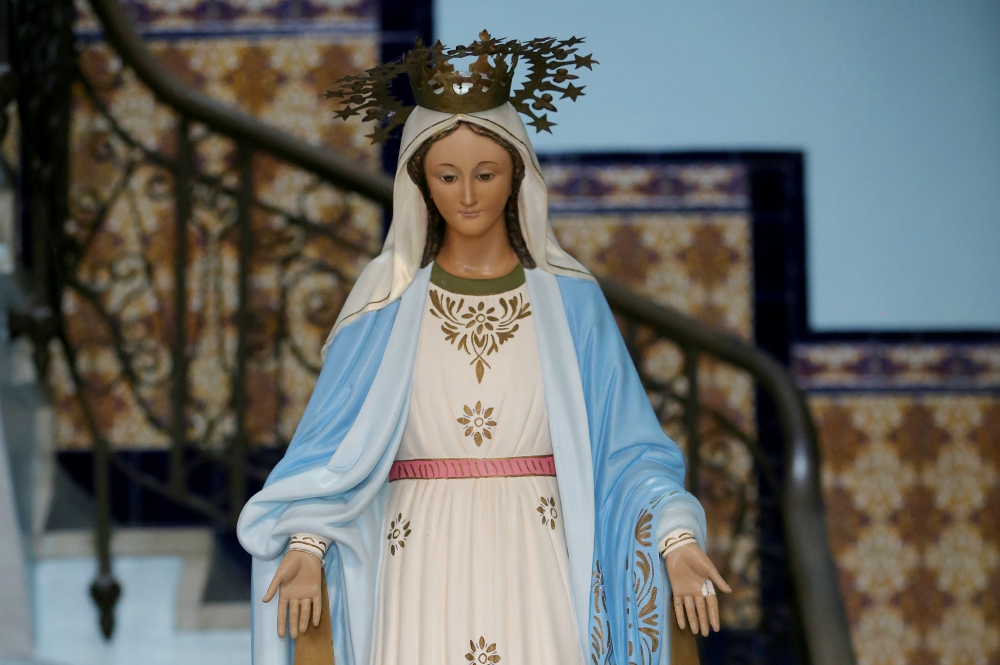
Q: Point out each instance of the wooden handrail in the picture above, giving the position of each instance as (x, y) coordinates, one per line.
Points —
(226, 120)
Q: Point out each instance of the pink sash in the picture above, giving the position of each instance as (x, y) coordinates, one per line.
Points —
(497, 467)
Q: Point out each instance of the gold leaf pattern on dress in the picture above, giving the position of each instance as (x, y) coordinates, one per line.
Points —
(547, 509)
(477, 422)
(481, 653)
(399, 530)
(600, 635)
(646, 592)
(479, 329)
(643, 528)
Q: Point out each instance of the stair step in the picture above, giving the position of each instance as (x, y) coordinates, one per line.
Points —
(213, 592)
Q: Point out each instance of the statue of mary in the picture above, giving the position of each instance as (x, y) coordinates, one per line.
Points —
(479, 476)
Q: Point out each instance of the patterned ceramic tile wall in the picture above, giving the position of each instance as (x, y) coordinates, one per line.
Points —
(910, 438)
(214, 17)
(681, 235)
(877, 366)
(272, 59)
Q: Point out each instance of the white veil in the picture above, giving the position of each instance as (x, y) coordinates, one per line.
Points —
(388, 275)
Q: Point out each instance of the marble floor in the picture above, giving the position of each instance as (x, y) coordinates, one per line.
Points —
(66, 619)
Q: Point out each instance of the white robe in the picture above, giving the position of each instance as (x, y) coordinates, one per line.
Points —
(475, 568)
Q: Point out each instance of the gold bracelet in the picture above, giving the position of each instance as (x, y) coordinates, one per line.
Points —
(673, 542)
(308, 544)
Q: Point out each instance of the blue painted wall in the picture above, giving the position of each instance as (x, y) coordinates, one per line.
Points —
(895, 103)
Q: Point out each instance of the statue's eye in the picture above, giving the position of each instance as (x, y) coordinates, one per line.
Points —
(485, 177)
(448, 178)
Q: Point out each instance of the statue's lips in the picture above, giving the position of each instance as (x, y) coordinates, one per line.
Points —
(472, 214)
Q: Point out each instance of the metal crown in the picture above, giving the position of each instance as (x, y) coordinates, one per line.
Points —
(438, 86)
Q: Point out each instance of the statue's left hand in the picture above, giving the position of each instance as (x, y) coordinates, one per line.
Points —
(688, 568)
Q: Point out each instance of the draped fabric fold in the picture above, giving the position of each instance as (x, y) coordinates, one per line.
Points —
(638, 490)
(333, 480)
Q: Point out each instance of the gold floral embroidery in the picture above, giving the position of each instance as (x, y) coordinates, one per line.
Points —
(548, 511)
(398, 532)
(600, 634)
(646, 592)
(479, 330)
(477, 422)
(481, 653)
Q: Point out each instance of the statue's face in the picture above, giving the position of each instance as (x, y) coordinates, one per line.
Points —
(469, 177)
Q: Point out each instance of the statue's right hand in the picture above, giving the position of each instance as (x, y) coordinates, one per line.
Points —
(297, 583)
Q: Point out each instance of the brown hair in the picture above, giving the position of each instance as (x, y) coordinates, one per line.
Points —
(435, 222)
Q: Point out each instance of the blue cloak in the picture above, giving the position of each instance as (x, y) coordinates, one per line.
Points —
(621, 480)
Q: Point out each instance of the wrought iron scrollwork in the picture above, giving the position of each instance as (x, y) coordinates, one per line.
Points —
(171, 306)
(179, 288)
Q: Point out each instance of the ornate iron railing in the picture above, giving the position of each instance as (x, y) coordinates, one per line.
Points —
(143, 314)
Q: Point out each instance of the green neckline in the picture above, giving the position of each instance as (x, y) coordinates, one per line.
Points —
(465, 286)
